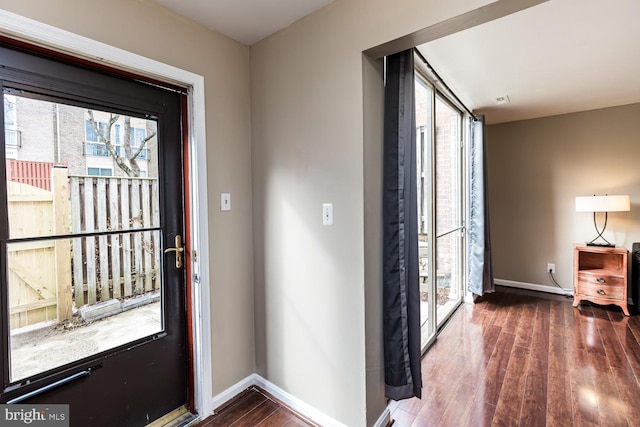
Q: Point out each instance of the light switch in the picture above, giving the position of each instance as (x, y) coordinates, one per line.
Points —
(225, 201)
(327, 214)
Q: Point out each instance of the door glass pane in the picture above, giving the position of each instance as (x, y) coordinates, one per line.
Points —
(448, 187)
(83, 140)
(424, 107)
(72, 296)
(448, 276)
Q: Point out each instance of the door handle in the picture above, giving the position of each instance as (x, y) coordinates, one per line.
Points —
(56, 384)
(178, 249)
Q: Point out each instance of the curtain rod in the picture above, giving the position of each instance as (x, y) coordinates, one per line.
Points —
(435, 73)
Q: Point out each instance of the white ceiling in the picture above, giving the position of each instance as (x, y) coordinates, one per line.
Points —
(557, 57)
(246, 21)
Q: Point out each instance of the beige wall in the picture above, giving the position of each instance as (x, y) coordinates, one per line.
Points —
(318, 287)
(373, 109)
(537, 168)
(144, 28)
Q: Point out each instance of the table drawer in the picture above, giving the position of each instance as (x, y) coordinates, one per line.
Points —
(611, 287)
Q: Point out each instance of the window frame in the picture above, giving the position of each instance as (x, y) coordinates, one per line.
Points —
(100, 171)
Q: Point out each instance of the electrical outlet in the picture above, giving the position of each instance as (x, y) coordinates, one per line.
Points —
(551, 268)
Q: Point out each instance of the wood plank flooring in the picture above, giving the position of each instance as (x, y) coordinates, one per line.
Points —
(255, 408)
(515, 358)
(529, 359)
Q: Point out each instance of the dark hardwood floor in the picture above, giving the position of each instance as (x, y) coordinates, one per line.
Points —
(515, 358)
(521, 359)
(255, 408)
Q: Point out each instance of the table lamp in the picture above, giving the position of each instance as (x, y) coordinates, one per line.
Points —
(604, 204)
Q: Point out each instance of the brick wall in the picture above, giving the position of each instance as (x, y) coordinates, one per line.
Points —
(72, 139)
(35, 120)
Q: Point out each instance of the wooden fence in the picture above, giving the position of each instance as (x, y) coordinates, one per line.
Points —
(119, 265)
(47, 277)
(39, 272)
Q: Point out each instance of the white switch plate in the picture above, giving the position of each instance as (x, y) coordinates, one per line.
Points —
(327, 214)
(225, 201)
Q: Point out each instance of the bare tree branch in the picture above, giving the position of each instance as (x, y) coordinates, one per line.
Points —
(142, 145)
(126, 144)
(131, 156)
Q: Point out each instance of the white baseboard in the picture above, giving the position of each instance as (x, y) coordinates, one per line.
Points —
(296, 404)
(288, 399)
(532, 287)
(231, 392)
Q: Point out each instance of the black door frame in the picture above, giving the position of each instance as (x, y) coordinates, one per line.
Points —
(80, 86)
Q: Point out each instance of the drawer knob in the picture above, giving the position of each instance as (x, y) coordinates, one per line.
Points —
(600, 280)
(600, 291)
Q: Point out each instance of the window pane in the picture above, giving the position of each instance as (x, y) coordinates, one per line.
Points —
(90, 132)
(448, 176)
(9, 111)
(107, 288)
(57, 286)
(448, 210)
(137, 135)
(115, 200)
(448, 275)
(424, 118)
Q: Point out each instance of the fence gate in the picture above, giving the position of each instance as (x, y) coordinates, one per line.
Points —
(35, 294)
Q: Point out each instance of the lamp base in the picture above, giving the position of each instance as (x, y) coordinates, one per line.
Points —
(602, 245)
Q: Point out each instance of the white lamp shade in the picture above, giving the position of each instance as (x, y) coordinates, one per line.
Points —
(603, 204)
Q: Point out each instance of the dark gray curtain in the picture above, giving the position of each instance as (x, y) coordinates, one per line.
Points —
(401, 293)
(480, 277)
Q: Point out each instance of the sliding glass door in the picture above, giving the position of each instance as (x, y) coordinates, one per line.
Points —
(424, 130)
(440, 207)
(448, 208)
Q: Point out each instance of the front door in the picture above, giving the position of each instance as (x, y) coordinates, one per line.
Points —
(91, 223)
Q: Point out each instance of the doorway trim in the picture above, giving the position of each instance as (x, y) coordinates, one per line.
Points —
(34, 32)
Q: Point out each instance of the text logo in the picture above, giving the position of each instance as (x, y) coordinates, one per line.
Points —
(34, 415)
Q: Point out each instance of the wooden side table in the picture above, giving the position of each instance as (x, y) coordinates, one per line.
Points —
(600, 276)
